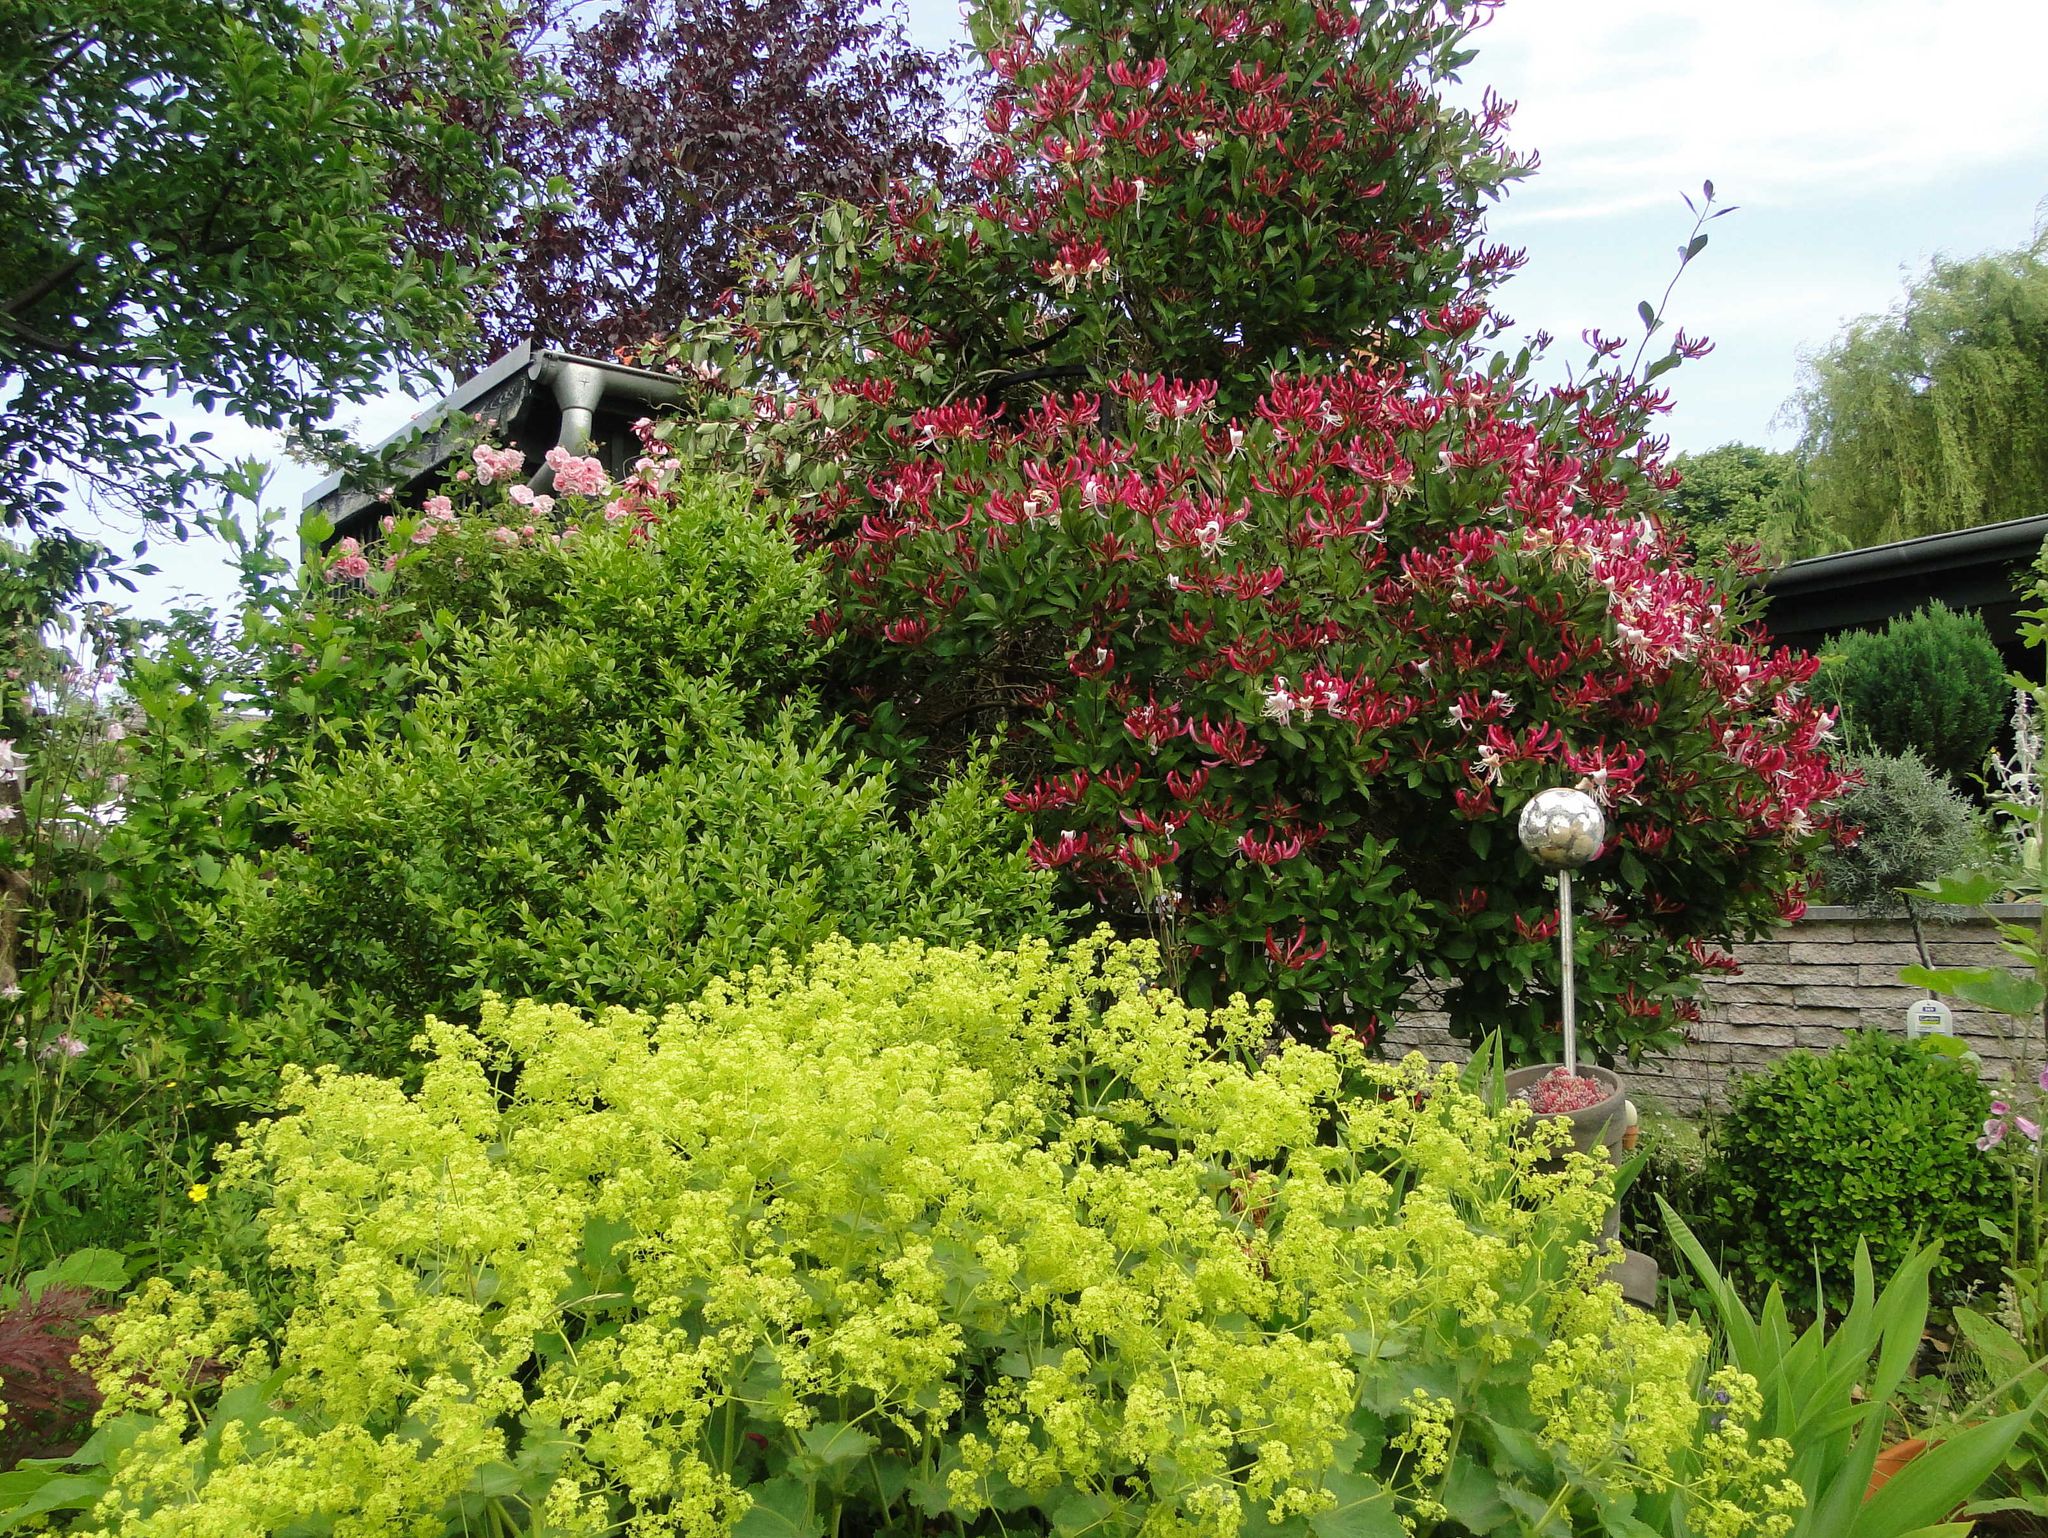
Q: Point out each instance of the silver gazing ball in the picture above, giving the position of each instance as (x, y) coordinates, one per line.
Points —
(1562, 827)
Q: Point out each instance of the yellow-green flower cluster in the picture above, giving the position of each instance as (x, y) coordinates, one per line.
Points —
(901, 1239)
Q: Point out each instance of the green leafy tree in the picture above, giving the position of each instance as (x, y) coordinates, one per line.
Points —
(1737, 494)
(1934, 416)
(200, 198)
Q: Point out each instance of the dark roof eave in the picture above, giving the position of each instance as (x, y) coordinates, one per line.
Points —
(1992, 544)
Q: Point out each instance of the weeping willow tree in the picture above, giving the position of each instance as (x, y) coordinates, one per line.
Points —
(1932, 417)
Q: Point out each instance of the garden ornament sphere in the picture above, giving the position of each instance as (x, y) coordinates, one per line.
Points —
(1562, 827)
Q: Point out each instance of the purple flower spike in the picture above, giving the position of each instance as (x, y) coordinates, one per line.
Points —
(2031, 1129)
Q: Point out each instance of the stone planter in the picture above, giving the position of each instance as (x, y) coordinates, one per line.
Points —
(1602, 1127)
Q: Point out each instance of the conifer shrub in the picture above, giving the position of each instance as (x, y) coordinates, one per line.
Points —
(902, 1240)
(1931, 682)
(1906, 826)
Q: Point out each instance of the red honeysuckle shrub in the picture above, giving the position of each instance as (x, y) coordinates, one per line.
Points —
(1288, 595)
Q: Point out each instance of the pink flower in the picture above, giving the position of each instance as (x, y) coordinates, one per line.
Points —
(522, 494)
(1994, 1134)
(496, 464)
(67, 1044)
(504, 536)
(349, 564)
(441, 508)
(2030, 1128)
(577, 477)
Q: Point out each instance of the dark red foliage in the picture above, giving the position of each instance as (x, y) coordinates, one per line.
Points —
(49, 1402)
(687, 131)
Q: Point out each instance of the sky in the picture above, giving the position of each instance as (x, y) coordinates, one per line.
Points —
(1856, 140)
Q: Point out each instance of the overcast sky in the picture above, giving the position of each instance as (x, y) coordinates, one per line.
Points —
(1858, 138)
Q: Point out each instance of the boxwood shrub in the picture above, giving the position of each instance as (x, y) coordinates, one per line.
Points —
(1875, 1140)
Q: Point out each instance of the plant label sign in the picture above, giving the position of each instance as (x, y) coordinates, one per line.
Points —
(1929, 1017)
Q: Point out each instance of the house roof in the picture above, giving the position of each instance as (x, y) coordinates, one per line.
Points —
(538, 397)
(1985, 569)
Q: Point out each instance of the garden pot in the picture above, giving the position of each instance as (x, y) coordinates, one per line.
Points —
(1603, 1126)
(1890, 1460)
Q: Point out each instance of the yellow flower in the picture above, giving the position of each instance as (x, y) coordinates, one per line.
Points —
(197, 1193)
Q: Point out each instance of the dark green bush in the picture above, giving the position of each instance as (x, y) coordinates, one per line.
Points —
(1930, 682)
(1875, 1141)
(1914, 829)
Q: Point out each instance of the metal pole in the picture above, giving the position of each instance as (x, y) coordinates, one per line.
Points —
(1564, 945)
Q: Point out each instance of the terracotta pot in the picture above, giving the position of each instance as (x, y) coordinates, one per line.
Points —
(1890, 1460)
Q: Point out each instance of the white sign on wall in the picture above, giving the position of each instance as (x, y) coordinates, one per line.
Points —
(1929, 1017)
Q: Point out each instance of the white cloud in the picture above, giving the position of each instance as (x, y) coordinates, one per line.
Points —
(1785, 99)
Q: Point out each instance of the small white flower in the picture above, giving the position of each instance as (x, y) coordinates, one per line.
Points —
(1280, 703)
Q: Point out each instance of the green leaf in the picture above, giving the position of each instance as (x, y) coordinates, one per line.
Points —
(93, 1269)
(1942, 1478)
(35, 1492)
(1364, 1509)
(1471, 1494)
(1967, 889)
(781, 1509)
(831, 1442)
(1991, 987)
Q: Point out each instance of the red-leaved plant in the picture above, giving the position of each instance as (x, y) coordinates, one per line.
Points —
(1179, 451)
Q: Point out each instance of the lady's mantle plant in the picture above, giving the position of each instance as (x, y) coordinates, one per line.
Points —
(914, 1241)
(1174, 448)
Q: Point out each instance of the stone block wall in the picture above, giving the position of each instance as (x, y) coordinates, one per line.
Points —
(1799, 990)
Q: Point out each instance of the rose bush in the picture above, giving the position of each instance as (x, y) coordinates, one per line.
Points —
(904, 1239)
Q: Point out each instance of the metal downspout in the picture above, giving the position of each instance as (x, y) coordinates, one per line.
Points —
(578, 388)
